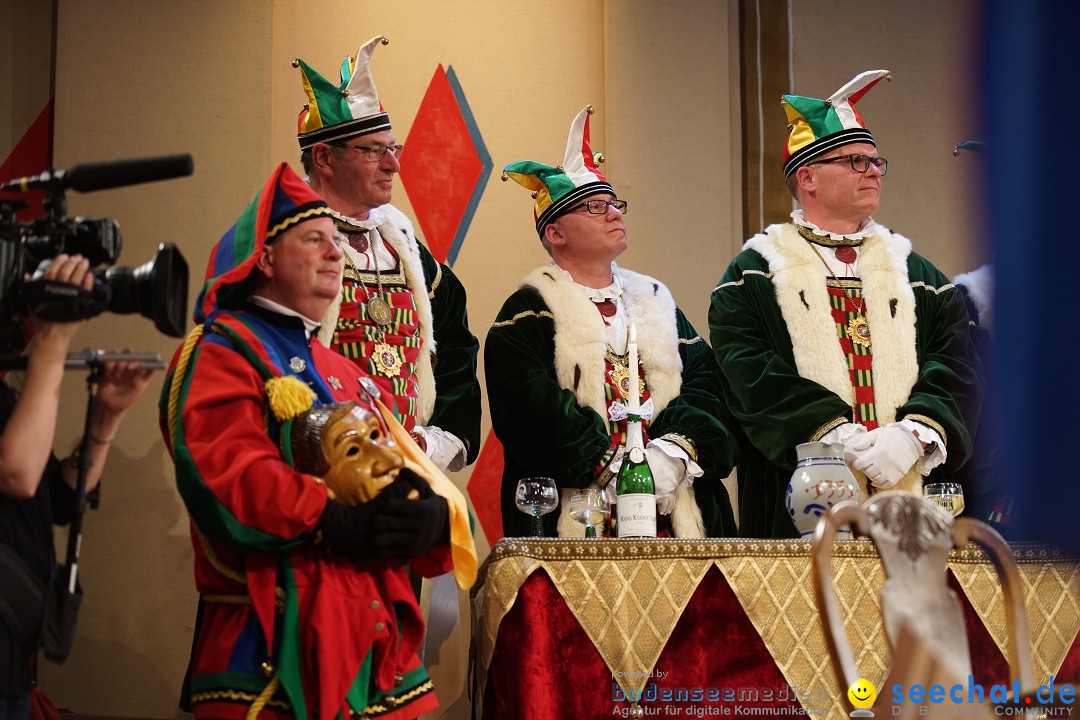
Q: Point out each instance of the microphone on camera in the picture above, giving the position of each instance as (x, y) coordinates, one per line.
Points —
(87, 177)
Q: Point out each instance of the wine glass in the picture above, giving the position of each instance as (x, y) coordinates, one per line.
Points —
(948, 495)
(536, 496)
(587, 506)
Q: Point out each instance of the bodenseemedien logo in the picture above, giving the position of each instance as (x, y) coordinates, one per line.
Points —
(862, 694)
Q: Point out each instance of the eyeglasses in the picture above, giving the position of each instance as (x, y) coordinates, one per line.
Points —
(600, 207)
(859, 163)
(374, 152)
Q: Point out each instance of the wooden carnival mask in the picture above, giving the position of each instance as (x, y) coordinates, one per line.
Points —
(347, 446)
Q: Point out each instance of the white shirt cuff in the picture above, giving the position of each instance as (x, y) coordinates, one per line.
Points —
(935, 452)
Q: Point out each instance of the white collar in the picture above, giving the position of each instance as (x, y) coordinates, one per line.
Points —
(613, 291)
(866, 228)
(373, 220)
(310, 325)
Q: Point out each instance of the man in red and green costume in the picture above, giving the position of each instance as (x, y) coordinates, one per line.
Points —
(557, 371)
(306, 609)
(401, 315)
(830, 328)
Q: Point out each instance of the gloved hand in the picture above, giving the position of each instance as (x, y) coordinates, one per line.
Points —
(858, 443)
(892, 452)
(346, 530)
(667, 473)
(444, 448)
(406, 528)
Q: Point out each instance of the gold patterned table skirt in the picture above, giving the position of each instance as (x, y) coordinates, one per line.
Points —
(628, 596)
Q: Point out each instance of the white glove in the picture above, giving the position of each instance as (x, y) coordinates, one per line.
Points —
(843, 434)
(667, 473)
(858, 443)
(892, 452)
(444, 449)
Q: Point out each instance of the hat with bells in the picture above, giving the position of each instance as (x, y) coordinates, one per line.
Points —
(351, 108)
(817, 126)
(557, 189)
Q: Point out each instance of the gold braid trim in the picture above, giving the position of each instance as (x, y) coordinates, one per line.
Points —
(683, 442)
(394, 701)
(931, 288)
(211, 695)
(216, 562)
(178, 377)
(263, 699)
(607, 473)
(827, 240)
(300, 217)
(436, 281)
(832, 424)
(930, 422)
(520, 315)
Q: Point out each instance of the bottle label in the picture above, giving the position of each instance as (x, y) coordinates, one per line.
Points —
(636, 514)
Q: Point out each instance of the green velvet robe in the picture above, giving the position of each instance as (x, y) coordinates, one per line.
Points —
(785, 379)
(544, 367)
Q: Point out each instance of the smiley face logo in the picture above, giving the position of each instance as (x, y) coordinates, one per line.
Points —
(862, 693)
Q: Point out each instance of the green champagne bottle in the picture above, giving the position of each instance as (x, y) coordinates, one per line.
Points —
(635, 492)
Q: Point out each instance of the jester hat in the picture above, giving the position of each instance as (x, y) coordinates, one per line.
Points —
(817, 126)
(284, 201)
(345, 110)
(557, 189)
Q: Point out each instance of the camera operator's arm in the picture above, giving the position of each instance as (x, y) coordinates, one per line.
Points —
(27, 440)
(121, 384)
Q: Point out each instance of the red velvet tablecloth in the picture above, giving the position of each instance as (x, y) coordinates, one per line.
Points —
(714, 663)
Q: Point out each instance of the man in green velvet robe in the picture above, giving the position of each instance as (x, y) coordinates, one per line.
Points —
(401, 315)
(830, 328)
(556, 362)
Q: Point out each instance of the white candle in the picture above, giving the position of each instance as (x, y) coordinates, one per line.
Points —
(631, 347)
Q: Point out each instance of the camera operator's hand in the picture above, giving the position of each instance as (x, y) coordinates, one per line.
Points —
(27, 439)
(53, 338)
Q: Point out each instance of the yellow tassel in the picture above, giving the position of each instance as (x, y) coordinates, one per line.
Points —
(289, 396)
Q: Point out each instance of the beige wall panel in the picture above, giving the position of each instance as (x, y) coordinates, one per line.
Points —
(25, 49)
(673, 141)
(917, 118)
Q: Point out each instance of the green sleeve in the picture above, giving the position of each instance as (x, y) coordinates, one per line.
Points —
(697, 412)
(776, 407)
(949, 388)
(457, 392)
(540, 424)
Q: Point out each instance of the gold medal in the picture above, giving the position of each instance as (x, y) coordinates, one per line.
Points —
(620, 375)
(859, 330)
(387, 359)
(379, 310)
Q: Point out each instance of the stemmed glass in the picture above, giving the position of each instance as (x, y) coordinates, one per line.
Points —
(948, 495)
(587, 506)
(536, 496)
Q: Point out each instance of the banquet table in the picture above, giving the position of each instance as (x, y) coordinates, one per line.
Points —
(567, 628)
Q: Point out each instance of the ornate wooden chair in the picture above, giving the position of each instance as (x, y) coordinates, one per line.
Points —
(923, 619)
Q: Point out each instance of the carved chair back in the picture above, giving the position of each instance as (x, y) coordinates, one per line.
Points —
(913, 537)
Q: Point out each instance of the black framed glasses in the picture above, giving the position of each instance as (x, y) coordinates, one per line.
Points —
(859, 163)
(374, 152)
(599, 207)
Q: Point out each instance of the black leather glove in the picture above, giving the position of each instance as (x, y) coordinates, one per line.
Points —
(409, 528)
(346, 530)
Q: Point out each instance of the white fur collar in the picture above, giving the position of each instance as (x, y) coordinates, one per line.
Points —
(890, 310)
(580, 348)
(980, 286)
